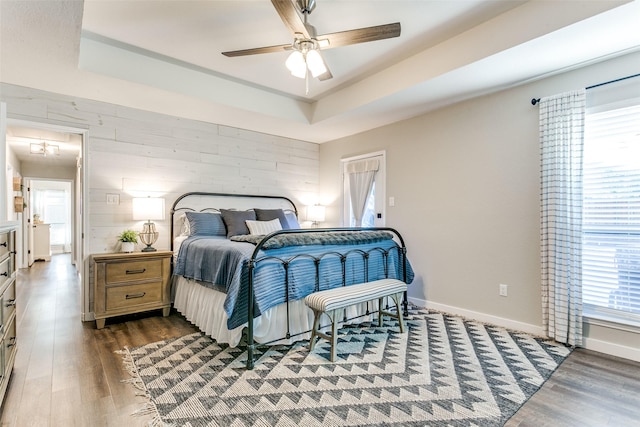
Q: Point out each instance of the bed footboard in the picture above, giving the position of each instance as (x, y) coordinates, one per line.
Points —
(386, 254)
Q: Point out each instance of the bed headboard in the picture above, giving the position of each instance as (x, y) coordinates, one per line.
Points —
(213, 202)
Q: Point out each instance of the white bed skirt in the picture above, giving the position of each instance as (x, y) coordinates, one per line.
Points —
(204, 307)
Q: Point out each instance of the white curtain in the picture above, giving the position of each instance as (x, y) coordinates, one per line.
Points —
(361, 174)
(561, 141)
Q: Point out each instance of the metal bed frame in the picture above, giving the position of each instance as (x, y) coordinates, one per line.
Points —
(257, 258)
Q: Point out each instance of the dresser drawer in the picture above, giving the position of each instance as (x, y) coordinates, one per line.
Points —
(5, 244)
(9, 347)
(8, 304)
(133, 271)
(132, 295)
(5, 271)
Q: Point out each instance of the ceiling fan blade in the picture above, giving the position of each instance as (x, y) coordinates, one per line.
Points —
(290, 17)
(360, 35)
(326, 75)
(258, 50)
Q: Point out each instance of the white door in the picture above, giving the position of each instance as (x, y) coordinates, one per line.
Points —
(374, 213)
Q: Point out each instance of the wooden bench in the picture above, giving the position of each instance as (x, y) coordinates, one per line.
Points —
(332, 301)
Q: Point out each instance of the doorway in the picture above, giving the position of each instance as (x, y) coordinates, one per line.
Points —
(47, 158)
(51, 208)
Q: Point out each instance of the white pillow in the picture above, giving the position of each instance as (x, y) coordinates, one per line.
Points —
(263, 227)
(183, 221)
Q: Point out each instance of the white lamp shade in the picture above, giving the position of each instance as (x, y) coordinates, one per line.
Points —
(295, 63)
(148, 208)
(315, 213)
(315, 63)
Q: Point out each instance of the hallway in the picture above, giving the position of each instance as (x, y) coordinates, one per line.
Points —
(66, 372)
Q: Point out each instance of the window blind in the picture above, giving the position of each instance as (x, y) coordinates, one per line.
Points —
(611, 214)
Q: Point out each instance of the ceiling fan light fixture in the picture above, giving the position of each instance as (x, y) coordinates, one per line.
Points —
(315, 63)
(296, 64)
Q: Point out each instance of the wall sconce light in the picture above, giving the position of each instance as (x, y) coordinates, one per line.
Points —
(44, 148)
(315, 214)
(148, 208)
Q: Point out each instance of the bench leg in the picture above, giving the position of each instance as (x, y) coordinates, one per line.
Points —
(334, 334)
(380, 312)
(333, 338)
(397, 298)
(316, 324)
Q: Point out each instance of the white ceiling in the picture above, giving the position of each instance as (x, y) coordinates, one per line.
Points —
(196, 32)
(20, 138)
(448, 51)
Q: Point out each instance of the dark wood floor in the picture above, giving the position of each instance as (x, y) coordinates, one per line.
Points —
(67, 374)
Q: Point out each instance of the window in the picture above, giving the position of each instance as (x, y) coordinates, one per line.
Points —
(373, 214)
(611, 212)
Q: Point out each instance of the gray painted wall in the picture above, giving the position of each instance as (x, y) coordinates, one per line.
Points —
(466, 185)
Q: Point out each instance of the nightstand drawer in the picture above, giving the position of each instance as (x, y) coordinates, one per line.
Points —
(132, 295)
(133, 271)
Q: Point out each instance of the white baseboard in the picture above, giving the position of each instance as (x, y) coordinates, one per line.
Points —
(612, 349)
(481, 317)
(589, 343)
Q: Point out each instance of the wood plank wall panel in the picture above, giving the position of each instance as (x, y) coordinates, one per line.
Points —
(133, 152)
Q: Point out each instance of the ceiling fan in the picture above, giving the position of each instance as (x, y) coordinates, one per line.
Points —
(307, 44)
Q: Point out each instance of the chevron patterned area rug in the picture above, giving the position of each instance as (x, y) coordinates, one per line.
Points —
(444, 371)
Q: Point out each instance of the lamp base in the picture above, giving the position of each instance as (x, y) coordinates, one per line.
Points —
(148, 236)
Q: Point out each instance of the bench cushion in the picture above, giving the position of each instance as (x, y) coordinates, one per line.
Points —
(344, 296)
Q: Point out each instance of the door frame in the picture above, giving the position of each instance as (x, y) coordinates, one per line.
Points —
(80, 218)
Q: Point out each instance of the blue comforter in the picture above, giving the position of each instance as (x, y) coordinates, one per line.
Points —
(223, 265)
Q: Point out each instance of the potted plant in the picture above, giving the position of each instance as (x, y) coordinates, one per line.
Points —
(129, 238)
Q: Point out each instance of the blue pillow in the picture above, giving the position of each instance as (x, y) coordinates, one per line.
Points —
(292, 220)
(205, 224)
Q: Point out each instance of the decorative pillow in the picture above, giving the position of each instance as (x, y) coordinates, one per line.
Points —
(235, 221)
(205, 224)
(263, 227)
(269, 214)
(292, 220)
(183, 223)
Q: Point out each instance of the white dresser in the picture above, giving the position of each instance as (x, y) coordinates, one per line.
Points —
(42, 242)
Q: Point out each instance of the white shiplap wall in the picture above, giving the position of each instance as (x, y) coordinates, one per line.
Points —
(138, 153)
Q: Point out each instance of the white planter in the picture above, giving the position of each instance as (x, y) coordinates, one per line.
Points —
(127, 246)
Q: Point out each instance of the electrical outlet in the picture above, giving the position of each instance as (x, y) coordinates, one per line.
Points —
(113, 199)
(503, 290)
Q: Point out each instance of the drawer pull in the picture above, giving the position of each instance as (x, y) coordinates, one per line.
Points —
(14, 252)
(6, 274)
(3, 244)
(12, 342)
(11, 303)
(142, 270)
(132, 296)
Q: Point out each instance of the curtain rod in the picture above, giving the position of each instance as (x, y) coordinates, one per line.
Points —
(534, 101)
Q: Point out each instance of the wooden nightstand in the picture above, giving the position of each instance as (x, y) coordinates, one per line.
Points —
(126, 283)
